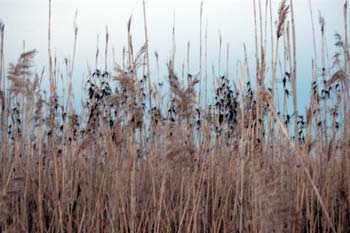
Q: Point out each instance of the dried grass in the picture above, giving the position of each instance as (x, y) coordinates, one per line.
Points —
(172, 164)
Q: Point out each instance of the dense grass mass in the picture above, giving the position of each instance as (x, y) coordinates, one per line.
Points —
(228, 160)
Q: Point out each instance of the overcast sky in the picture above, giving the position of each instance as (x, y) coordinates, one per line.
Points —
(27, 20)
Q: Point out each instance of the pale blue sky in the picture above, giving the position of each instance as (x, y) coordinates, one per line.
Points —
(27, 20)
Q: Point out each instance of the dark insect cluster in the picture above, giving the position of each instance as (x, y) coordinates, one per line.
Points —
(98, 86)
(301, 129)
(98, 90)
(226, 104)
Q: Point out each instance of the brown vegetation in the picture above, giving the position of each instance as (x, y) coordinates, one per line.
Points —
(135, 162)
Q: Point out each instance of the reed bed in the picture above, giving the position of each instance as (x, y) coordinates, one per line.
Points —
(234, 160)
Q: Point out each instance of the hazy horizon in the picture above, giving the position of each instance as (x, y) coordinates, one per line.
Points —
(28, 21)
